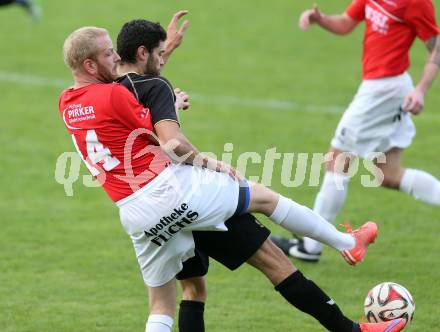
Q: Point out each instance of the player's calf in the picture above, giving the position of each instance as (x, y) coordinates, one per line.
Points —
(162, 307)
(272, 262)
(194, 289)
(306, 296)
(297, 218)
(391, 181)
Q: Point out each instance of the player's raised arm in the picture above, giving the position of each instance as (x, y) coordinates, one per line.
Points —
(338, 24)
(175, 34)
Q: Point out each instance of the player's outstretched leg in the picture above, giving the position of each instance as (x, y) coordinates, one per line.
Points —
(417, 183)
(301, 220)
(304, 294)
(300, 292)
(328, 203)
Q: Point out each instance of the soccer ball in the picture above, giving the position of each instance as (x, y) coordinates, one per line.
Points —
(388, 301)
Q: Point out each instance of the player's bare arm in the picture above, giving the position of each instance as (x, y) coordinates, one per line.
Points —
(415, 101)
(337, 24)
(175, 34)
(433, 46)
(180, 149)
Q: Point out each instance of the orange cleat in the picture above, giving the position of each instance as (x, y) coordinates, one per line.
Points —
(391, 326)
(363, 236)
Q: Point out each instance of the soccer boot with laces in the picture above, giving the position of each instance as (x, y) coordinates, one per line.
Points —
(391, 326)
(364, 236)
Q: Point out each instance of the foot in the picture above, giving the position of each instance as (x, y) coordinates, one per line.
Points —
(363, 236)
(283, 243)
(391, 326)
(299, 251)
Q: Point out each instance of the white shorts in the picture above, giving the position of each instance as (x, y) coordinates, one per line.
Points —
(161, 216)
(374, 122)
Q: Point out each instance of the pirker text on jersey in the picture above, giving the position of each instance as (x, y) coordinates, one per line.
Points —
(171, 224)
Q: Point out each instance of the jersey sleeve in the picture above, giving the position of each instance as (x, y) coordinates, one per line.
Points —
(356, 10)
(420, 14)
(160, 100)
(128, 110)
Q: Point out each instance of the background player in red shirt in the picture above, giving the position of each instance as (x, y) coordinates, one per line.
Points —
(379, 117)
(161, 203)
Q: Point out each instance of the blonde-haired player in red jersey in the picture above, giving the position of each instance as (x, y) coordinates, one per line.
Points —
(379, 117)
(161, 200)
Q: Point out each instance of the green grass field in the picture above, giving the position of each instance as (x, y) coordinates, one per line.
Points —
(66, 265)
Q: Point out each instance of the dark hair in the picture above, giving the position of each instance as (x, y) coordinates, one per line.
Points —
(138, 33)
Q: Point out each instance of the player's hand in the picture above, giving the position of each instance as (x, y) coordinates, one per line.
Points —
(310, 16)
(414, 102)
(182, 99)
(175, 34)
(223, 167)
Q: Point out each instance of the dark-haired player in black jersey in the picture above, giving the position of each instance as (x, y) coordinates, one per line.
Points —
(141, 45)
(245, 238)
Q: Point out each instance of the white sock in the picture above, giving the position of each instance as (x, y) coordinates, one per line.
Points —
(421, 185)
(328, 203)
(159, 323)
(301, 220)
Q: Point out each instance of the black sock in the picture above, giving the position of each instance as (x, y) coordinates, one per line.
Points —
(306, 296)
(191, 316)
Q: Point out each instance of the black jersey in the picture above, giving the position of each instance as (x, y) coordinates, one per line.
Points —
(245, 234)
(155, 93)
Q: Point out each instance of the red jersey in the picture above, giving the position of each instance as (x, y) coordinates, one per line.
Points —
(391, 27)
(111, 132)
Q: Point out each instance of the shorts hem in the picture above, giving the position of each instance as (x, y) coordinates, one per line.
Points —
(171, 275)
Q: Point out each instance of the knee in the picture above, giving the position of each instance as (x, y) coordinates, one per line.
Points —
(263, 199)
(339, 161)
(194, 289)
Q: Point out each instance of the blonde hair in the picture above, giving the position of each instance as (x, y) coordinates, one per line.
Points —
(81, 45)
